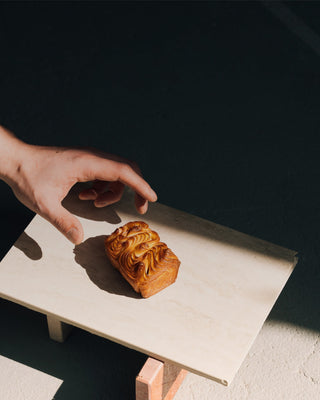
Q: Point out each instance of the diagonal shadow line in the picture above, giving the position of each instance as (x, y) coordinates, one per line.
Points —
(295, 24)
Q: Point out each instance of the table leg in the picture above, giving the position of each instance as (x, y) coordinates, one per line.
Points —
(158, 380)
(58, 330)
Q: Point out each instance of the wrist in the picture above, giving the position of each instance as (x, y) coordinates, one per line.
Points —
(12, 153)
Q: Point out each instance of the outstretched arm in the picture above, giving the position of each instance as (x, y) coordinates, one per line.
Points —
(41, 177)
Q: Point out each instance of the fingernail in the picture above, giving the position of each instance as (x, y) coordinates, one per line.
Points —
(100, 204)
(89, 194)
(72, 235)
(154, 196)
(143, 209)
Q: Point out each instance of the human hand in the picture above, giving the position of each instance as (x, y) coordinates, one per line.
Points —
(41, 177)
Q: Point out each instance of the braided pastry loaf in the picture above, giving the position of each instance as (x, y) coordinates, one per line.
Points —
(145, 262)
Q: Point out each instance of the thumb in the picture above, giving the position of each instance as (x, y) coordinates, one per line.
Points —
(65, 222)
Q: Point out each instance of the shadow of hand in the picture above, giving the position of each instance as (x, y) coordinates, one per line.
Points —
(86, 208)
(28, 246)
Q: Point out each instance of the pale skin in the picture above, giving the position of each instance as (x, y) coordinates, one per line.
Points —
(41, 177)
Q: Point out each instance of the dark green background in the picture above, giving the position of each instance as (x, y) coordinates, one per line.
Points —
(218, 102)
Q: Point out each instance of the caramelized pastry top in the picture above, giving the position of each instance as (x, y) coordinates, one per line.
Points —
(137, 252)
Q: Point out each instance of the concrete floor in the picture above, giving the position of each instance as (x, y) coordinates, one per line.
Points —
(283, 363)
(219, 104)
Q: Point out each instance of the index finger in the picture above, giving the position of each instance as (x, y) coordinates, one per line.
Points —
(112, 171)
(131, 178)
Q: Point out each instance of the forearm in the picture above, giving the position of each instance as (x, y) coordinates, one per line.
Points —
(11, 155)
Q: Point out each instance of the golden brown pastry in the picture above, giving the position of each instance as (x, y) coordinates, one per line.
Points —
(145, 262)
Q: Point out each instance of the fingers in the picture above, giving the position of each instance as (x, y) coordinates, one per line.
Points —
(141, 204)
(118, 173)
(115, 157)
(98, 187)
(65, 222)
(88, 194)
(100, 196)
(113, 194)
(128, 176)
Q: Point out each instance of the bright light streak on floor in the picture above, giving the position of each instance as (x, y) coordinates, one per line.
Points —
(283, 363)
(20, 382)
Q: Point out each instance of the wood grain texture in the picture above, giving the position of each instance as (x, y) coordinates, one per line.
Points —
(205, 322)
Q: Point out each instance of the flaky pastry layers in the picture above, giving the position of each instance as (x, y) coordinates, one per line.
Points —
(145, 262)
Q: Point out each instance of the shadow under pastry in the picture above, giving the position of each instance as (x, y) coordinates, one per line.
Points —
(92, 257)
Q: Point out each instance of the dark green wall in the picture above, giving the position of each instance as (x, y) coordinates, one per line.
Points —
(217, 101)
